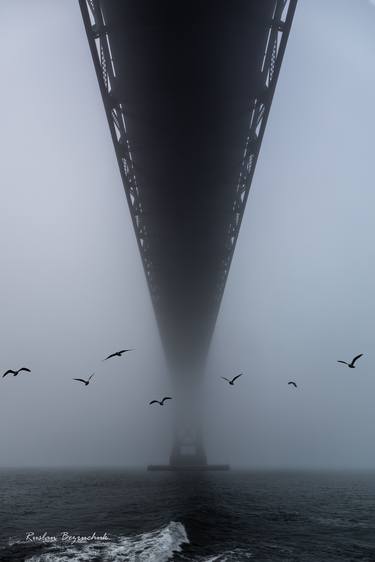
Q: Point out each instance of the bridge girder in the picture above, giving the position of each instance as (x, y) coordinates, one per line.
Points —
(100, 35)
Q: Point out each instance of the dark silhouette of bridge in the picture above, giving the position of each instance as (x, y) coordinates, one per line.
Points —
(187, 87)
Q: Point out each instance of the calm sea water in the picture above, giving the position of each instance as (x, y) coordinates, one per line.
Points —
(154, 517)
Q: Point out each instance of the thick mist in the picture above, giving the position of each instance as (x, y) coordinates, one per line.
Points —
(299, 294)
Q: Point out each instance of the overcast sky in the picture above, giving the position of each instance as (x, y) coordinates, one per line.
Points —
(300, 293)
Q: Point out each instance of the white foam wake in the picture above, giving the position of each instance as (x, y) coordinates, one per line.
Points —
(230, 556)
(156, 546)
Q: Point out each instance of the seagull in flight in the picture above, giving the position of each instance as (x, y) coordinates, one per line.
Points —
(161, 402)
(117, 354)
(83, 380)
(292, 383)
(351, 365)
(15, 373)
(231, 382)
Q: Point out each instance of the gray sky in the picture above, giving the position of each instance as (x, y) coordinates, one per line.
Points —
(300, 290)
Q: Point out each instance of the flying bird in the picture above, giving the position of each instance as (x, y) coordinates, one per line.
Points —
(83, 380)
(161, 402)
(292, 383)
(231, 382)
(351, 365)
(15, 373)
(117, 354)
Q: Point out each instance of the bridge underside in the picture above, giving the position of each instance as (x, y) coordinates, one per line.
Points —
(187, 87)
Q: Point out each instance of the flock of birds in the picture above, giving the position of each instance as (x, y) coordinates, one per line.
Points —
(116, 354)
(351, 365)
(86, 382)
(161, 402)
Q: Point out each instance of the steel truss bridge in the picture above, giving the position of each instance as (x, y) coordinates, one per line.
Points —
(187, 88)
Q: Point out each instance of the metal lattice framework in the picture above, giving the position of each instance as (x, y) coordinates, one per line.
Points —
(100, 45)
(99, 36)
(259, 110)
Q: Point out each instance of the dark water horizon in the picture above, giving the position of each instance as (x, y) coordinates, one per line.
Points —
(114, 514)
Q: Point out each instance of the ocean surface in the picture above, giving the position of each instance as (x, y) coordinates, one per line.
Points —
(136, 516)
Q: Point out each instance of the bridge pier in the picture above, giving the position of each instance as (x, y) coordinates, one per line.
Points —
(188, 452)
(188, 449)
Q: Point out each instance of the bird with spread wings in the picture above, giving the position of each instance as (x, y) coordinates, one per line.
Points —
(351, 365)
(15, 373)
(161, 402)
(231, 381)
(117, 354)
(85, 382)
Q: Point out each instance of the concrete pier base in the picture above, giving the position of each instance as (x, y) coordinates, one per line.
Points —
(187, 467)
